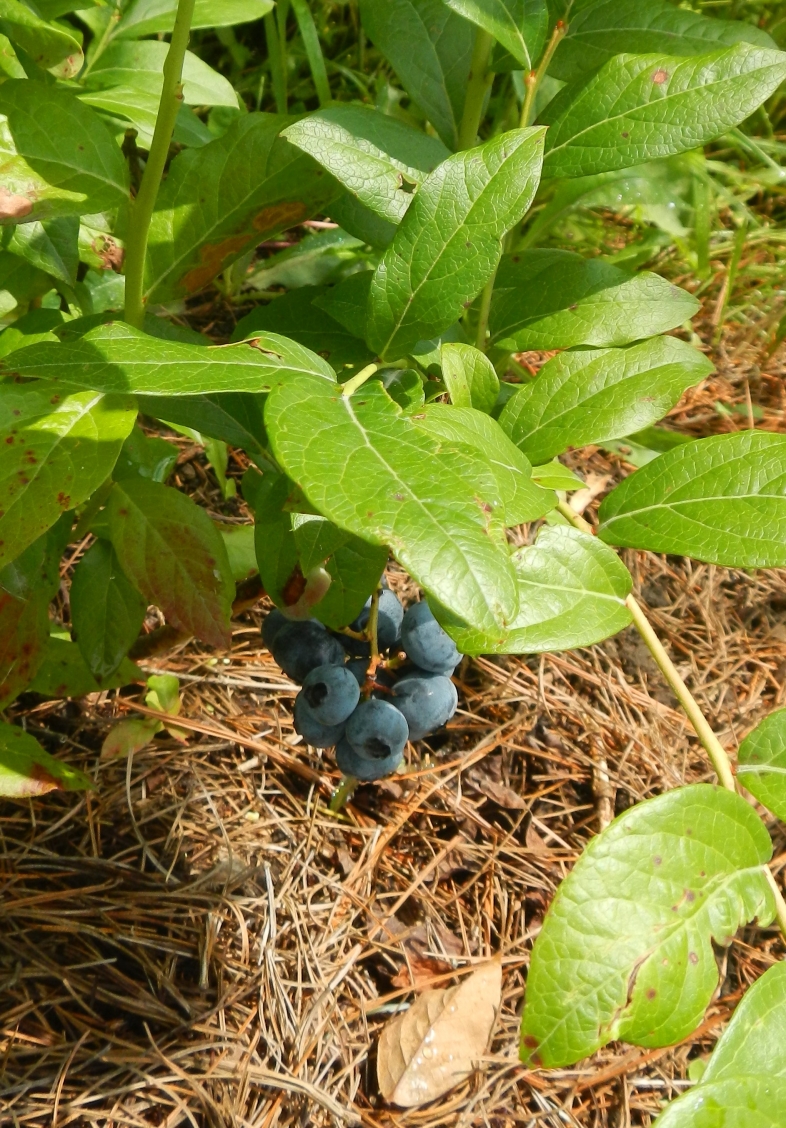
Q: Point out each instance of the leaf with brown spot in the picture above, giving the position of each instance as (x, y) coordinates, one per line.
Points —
(173, 553)
(438, 1042)
(130, 735)
(74, 443)
(219, 200)
(56, 152)
(26, 769)
(626, 948)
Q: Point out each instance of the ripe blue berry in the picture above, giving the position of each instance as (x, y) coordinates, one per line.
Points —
(389, 617)
(426, 643)
(377, 730)
(314, 733)
(354, 763)
(300, 647)
(273, 623)
(427, 701)
(332, 693)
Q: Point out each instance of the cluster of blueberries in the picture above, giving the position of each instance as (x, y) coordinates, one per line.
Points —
(368, 721)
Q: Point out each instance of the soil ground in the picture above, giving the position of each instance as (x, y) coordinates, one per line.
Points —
(199, 942)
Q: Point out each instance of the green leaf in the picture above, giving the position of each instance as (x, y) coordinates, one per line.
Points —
(552, 299)
(107, 611)
(638, 107)
(520, 26)
(130, 735)
(588, 395)
(346, 302)
(26, 769)
(51, 246)
(129, 106)
(368, 468)
(145, 456)
(761, 762)
(151, 17)
(379, 160)
(466, 427)
(53, 48)
(172, 552)
(141, 65)
(721, 500)
(27, 585)
(220, 201)
(275, 548)
(430, 49)
(450, 240)
(626, 947)
(362, 222)
(163, 693)
(554, 476)
(297, 316)
(57, 155)
(239, 543)
(64, 673)
(744, 1084)
(469, 376)
(597, 31)
(405, 387)
(572, 592)
(55, 450)
(233, 417)
(115, 358)
(35, 325)
(354, 567)
(317, 258)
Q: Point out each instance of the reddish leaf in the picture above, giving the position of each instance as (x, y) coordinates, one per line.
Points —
(172, 552)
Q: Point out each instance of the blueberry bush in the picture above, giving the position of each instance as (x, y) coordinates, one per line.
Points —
(375, 392)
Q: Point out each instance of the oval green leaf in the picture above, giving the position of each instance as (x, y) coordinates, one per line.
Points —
(27, 769)
(744, 1084)
(638, 107)
(57, 155)
(55, 450)
(519, 26)
(553, 299)
(378, 159)
(604, 28)
(117, 358)
(173, 553)
(107, 611)
(469, 376)
(368, 468)
(721, 500)
(761, 762)
(429, 48)
(626, 947)
(587, 396)
(450, 240)
(572, 592)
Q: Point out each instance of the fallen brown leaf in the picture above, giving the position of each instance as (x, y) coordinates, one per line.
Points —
(437, 1042)
(420, 970)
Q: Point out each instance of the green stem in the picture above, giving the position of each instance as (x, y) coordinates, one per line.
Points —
(483, 315)
(713, 747)
(480, 79)
(353, 384)
(373, 621)
(343, 793)
(533, 80)
(102, 43)
(142, 206)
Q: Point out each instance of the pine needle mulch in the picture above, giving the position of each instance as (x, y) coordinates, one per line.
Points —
(199, 942)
